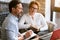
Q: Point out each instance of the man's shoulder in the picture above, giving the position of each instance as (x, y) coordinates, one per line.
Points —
(8, 19)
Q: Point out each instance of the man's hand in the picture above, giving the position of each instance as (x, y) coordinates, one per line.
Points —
(28, 34)
(21, 38)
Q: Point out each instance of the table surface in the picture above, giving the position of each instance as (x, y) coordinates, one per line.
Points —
(44, 36)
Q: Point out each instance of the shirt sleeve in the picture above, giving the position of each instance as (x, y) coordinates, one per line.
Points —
(22, 24)
(44, 23)
(11, 35)
(11, 31)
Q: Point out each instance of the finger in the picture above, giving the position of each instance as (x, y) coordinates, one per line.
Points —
(30, 31)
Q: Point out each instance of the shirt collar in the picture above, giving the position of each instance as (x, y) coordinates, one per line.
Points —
(30, 15)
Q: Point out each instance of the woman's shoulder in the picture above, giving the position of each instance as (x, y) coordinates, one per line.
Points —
(39, 14)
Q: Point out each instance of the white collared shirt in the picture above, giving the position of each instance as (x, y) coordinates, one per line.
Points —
(39, 20)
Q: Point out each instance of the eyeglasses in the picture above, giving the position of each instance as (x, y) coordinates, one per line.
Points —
(34, 8)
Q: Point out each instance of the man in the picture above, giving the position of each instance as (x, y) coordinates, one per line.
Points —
(9, 30)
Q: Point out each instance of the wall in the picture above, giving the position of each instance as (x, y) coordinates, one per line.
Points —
(47, 9)
(5, 0)
(57, 20)
(42, 6)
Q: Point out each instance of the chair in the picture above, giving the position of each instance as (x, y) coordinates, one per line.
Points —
(51, 26)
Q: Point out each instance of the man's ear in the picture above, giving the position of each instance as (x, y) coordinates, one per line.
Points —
(13, 9)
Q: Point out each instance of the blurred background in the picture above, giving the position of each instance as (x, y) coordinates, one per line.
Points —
(49, 8)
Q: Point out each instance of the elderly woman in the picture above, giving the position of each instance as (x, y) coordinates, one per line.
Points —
(33, 19)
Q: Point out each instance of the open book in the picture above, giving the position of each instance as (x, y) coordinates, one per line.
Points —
(32, 35)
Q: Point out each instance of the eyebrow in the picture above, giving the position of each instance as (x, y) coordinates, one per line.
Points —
(34, 8)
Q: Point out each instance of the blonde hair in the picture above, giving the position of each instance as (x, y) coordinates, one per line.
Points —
(34, 2)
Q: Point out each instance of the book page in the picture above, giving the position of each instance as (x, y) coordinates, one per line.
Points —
(32, 35)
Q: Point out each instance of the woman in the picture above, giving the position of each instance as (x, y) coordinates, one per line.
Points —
(33, 19)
